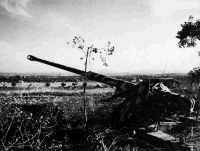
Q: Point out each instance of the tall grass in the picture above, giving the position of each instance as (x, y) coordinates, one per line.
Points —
(56, 123)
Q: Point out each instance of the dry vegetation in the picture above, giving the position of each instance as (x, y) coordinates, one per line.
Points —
(53, 119)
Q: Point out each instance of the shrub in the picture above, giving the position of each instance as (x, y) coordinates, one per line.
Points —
(47, 84)
(63, 84)
(13, 83)
(30, 126)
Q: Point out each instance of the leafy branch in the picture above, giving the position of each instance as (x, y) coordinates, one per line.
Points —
(88, 51)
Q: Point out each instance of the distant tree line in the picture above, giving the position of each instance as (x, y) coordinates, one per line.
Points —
(44, 79)
(52, 79)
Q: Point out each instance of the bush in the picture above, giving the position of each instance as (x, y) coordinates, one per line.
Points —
(13, 83)
(63, 84)
(47, 84)
(30, 126)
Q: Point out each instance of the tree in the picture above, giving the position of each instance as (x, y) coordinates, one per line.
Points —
(88, 52)
(13, 83)
(194, 75)
(189, 33)
(47, 84)
(63, 84)
(188, 36)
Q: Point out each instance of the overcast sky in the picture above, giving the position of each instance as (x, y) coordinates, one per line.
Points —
(142, 31)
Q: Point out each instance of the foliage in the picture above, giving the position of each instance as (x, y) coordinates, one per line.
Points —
(47, 84)
(189, 33)
(29, 126)
(43, 125)
(194, 75)
(118, 140)
(13, 83)
(63, 84)
(188, 36)
(79, 43)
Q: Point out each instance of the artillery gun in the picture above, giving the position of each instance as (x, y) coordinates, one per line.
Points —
(151, 98)
(120, 85)
(143, 104)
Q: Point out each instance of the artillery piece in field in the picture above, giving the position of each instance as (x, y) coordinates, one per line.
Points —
(145, 103)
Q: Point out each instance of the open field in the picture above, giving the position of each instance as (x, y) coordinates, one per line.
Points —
(54, 87)
(56, 118)
(31, 107)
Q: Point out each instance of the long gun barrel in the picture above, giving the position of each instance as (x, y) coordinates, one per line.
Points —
(119, 84)
(32, 58)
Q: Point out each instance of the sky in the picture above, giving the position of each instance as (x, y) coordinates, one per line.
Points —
(143, 33)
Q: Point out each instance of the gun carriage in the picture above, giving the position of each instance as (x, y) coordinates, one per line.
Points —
(144, 104)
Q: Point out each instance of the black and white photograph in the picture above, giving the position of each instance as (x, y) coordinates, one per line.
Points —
(99, 75)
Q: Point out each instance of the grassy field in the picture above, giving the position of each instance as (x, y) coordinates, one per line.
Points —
(52, 118)
(54, 87)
